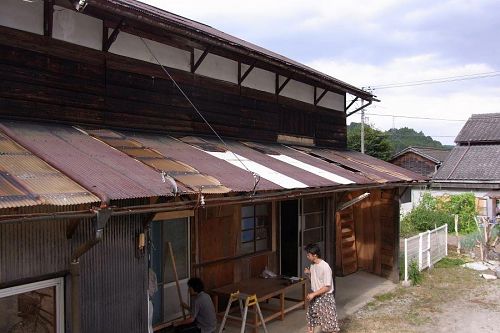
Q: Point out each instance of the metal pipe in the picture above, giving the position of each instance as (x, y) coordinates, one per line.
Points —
(75, 296)
(189, 205)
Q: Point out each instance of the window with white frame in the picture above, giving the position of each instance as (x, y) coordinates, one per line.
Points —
(34, 307)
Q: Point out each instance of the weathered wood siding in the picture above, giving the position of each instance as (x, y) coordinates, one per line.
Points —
(415, 163)
(377, 232)
(215, 255)
(50, 80)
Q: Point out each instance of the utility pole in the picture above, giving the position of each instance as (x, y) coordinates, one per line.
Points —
(362, 128)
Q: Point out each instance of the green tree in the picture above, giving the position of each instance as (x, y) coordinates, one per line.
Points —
(405, 137)
(377, 143)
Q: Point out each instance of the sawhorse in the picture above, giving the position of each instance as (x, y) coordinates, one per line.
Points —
(249, 301)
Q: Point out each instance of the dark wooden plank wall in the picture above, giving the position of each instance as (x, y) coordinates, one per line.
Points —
(415, 163)
(219, 236)
(50, 80)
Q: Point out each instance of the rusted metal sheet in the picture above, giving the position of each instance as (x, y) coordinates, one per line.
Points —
(92, 163)
(26, 180)
(186, 175)
(381, 165)
(232, 177)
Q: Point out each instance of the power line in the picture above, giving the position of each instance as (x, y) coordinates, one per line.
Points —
(435, 81)
(413, 117)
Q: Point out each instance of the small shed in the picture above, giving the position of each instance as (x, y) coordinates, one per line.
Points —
(423, 160)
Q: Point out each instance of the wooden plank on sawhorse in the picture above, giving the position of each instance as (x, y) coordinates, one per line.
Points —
(250, 300)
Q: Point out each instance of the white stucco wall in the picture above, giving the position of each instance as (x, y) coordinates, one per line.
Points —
(217, 67)
(77, 28)
(297, 90)
(131, 46)
(84, 30)
(259, 79)
(22, 15)
(331, 100)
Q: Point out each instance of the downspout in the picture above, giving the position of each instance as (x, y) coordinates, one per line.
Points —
(102, 217)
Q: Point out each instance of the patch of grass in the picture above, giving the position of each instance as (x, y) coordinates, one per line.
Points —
(449, 262)
(385, 297)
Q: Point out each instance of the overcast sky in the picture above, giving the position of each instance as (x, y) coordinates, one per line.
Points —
(372, 43)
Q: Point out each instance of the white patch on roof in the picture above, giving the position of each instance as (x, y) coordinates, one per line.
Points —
(263, 171)
(312, 169)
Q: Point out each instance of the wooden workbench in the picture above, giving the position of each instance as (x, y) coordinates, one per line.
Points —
(265, 289)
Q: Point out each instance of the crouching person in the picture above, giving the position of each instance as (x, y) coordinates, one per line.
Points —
(203, 319)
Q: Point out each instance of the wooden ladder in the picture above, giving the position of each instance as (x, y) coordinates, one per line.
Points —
(347, 256)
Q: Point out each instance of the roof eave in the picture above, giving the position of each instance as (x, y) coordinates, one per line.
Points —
(190, 32)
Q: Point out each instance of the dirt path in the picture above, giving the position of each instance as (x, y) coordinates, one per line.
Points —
(452, 299)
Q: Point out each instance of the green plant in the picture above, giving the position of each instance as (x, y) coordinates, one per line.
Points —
(422, 218)
(463, 205)
(414, 274)
(434, 212)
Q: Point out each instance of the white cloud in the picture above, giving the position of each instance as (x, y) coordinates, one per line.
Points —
(384, 41)
(452, 100)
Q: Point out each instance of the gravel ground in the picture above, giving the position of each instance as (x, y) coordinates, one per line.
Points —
(450, 299)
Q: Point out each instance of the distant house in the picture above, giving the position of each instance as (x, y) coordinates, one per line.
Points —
(422, 160)
(474, 164)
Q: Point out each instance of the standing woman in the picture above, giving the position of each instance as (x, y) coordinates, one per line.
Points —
(321, 310)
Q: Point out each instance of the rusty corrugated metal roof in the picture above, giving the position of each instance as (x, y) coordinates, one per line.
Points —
(187, 175)
(370, 167)
(94, 164)
(26, 180)
(229, 175)
(126, 165)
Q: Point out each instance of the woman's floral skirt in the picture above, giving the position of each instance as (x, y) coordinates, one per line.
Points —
(322, 312)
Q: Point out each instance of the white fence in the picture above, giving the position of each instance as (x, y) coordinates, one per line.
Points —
(426, 248)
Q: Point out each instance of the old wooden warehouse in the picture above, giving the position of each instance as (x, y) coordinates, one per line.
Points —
(103, 161)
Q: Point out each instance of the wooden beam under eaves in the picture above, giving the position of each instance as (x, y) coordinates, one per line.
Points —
(195, 66)
(244, 76)
(282, 86)
(317, 100)
(352, 102)
(48, 17)
(108, 41)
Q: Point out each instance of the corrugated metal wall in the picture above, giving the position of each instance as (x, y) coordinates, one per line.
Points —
(113, 280)
(30, 250)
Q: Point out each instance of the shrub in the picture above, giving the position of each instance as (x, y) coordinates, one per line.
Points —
(414, 274)
(422, 219)
(463, 205)
(434, 212)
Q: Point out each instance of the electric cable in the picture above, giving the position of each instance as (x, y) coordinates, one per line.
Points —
(254, 174)
(435, 81)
